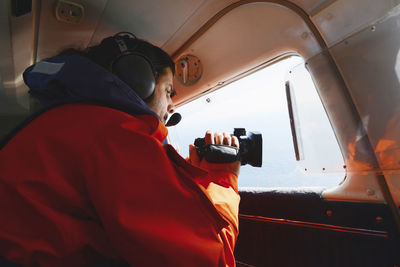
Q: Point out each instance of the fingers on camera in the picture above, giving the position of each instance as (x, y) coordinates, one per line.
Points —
(235, 141)
(227, 139)
(209, 138)
(221, 138)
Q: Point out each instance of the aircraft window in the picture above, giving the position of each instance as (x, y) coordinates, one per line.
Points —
(258, 103)
(319, 153)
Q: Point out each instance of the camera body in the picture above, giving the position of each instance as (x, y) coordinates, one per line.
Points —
(249, 151)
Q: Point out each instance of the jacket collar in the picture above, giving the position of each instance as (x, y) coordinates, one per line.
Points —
(70, 79)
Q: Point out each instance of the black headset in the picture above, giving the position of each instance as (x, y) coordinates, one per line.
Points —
(124, 55)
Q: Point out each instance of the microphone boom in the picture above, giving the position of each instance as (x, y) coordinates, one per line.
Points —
(174, 120)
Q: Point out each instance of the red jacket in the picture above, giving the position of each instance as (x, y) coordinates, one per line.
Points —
(84, 185)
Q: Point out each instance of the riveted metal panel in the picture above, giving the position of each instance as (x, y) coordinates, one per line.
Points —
(370, 64)
(345, 17)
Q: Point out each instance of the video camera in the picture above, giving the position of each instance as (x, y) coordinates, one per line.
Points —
(249, 151)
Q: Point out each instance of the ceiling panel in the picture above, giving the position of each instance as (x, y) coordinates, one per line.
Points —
(155, 21)
(203, 14)
(55, 35)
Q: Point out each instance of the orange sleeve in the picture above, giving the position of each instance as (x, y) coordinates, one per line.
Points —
(151, 213)
(222, 189)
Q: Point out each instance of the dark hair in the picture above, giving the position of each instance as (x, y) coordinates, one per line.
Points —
(106, 52)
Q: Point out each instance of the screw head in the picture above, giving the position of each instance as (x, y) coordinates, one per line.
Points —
(370, 192)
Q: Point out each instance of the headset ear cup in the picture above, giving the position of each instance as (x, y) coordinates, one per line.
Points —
(136, 71)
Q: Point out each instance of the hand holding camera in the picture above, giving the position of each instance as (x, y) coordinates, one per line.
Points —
(249, 150)
(223, 151)
(215, 139)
